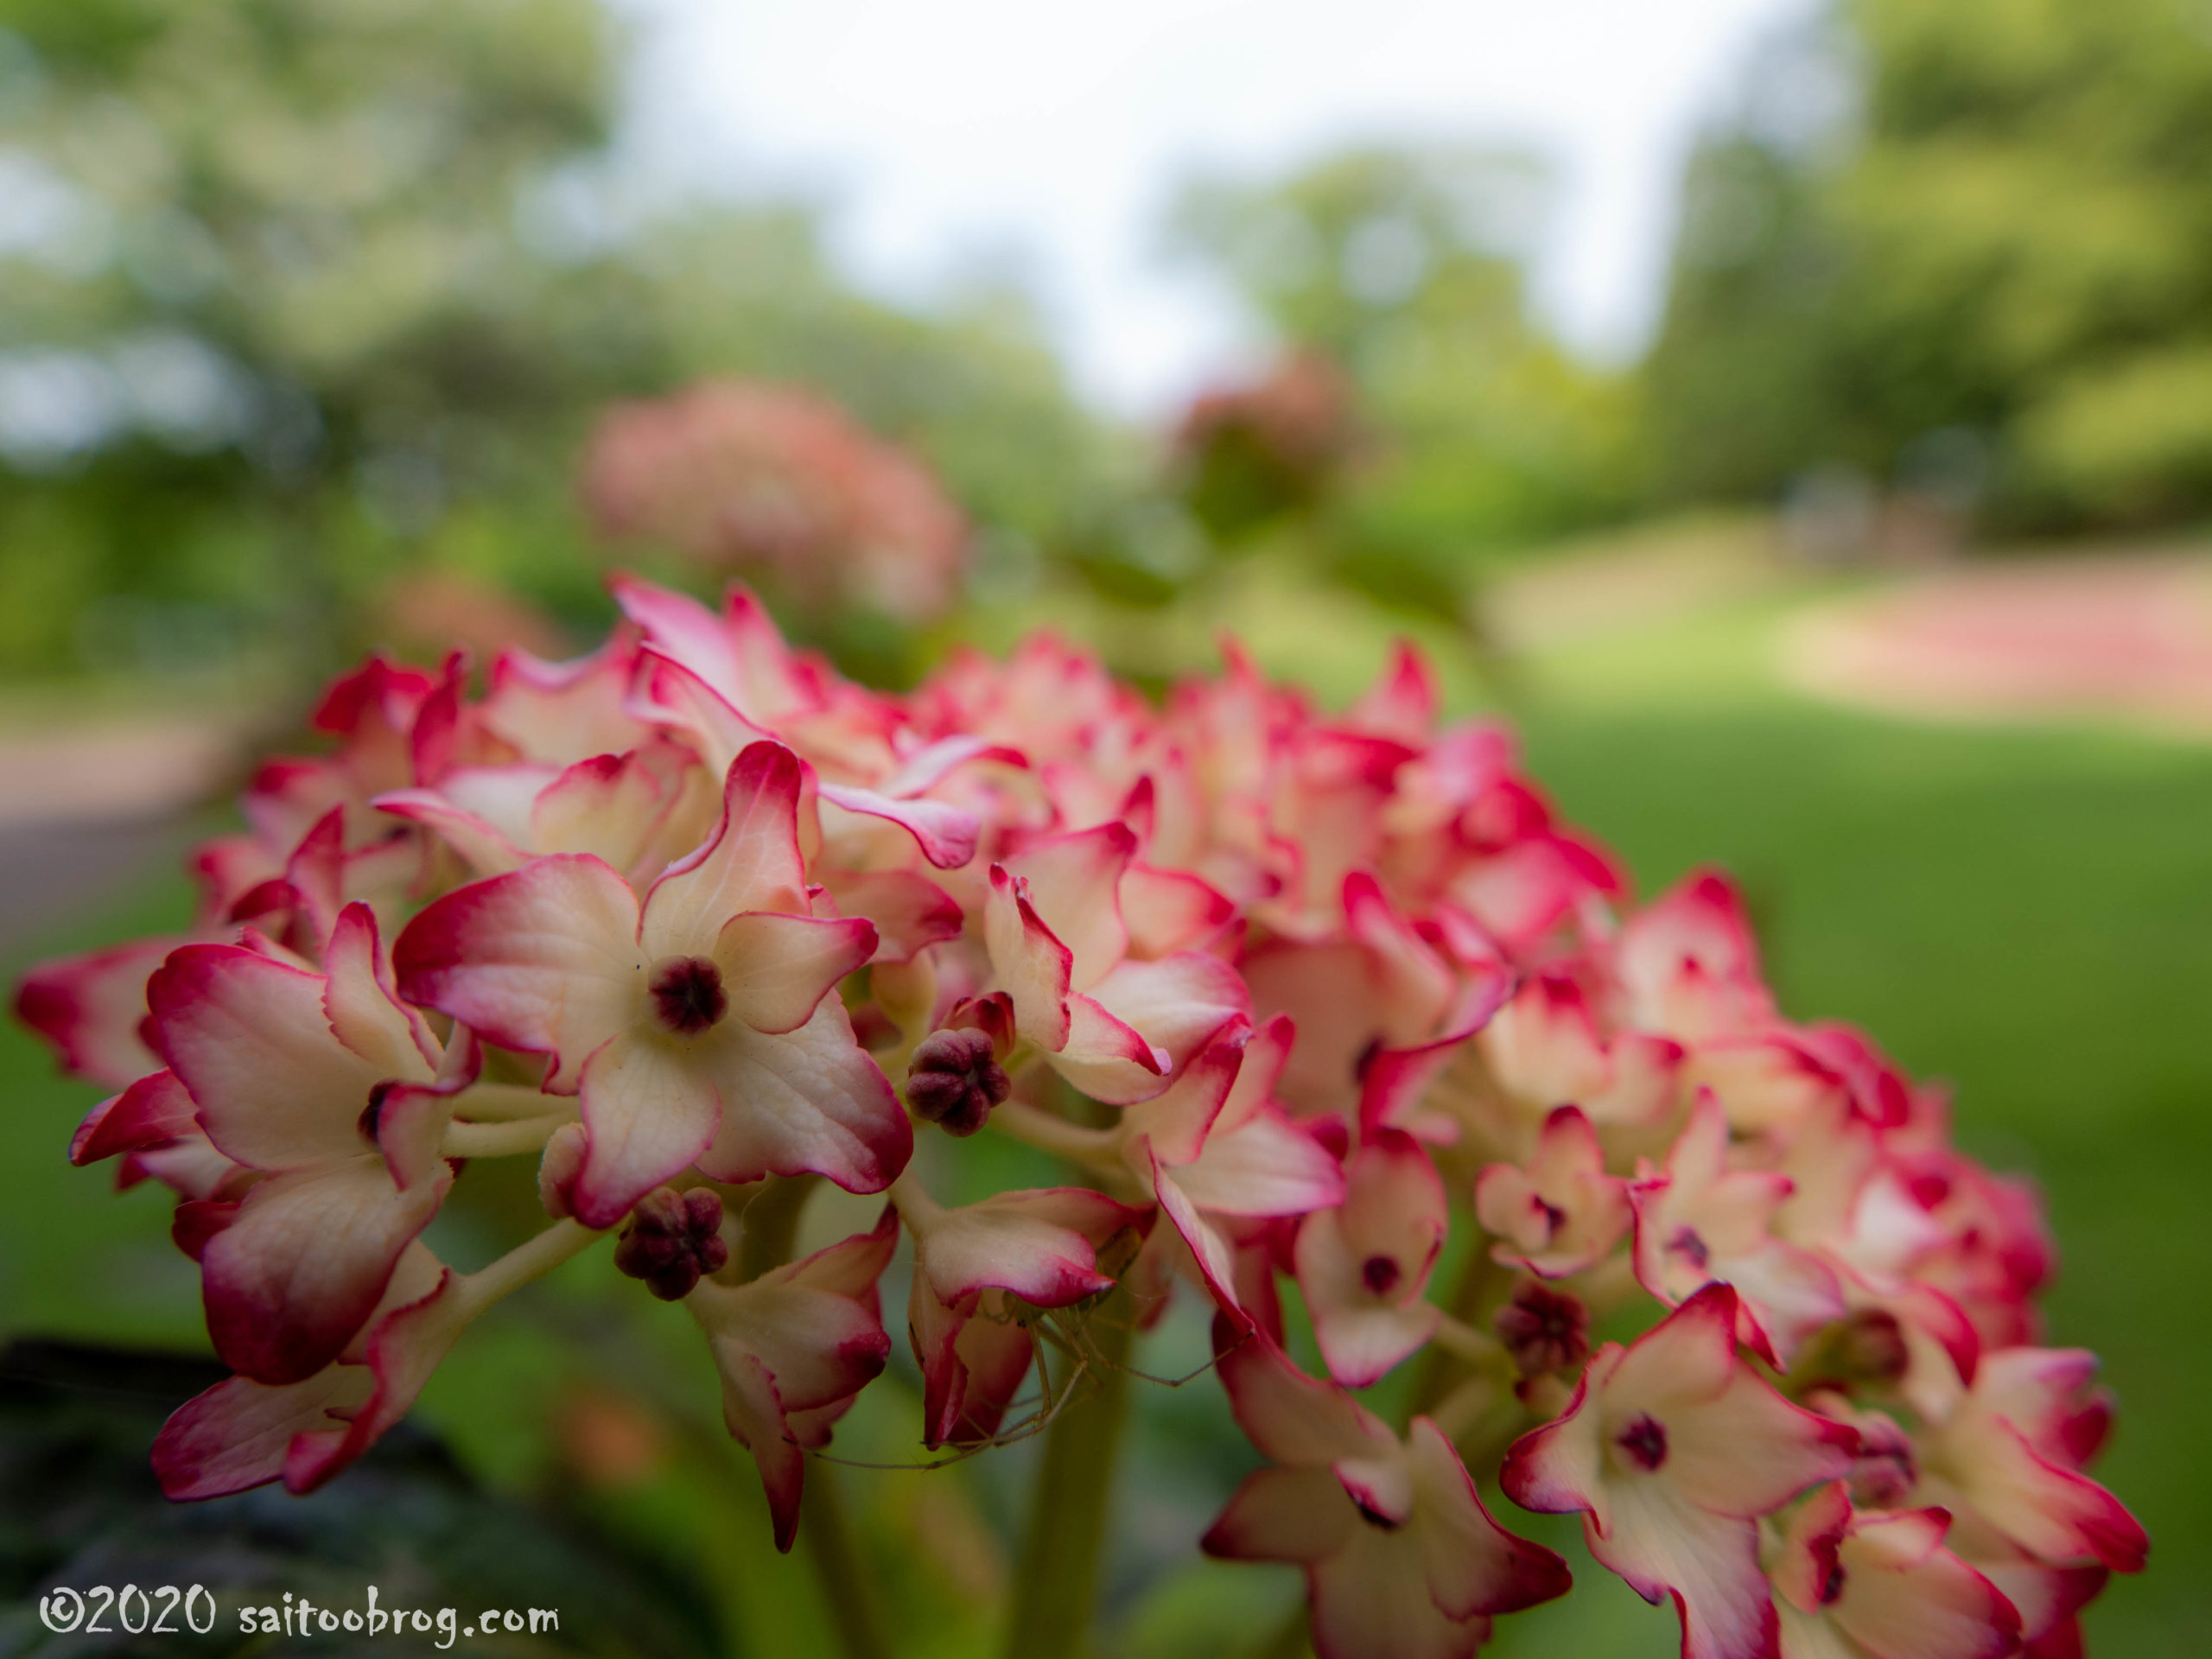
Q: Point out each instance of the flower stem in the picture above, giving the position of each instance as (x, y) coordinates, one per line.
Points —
(501, 1139)
(1439, 1364)
(825, 1539)
(1058, 1582)
(771, 1223)
(1097, 1149)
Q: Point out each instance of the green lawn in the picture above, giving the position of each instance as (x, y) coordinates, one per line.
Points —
(2028, 913)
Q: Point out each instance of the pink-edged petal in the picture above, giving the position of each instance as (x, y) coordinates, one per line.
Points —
(609, 805)
(557, 712)
(1074, 882)
(1904, 1598)
(242, 1434)
(911, 913)
(403, 1349)
(1041, 1245)
(946, 834)
(2053, 1512)
(809, 1100)
(1362, 1345)
(249, 1038)
(237, 1435)
(668, 695)
(1108, 1059)
(1266, 1166)
(1403, 702)
(652, 1109)
(157, 1108)
(1167, 910)
(481, 845)
(1215, 1256)
(1665, 1546)
(750, 862)
(1559, 1468)
(90, 1008)
(1033, 967)
(544, 960)
(1289, 1416)
(1473, 1565)
(1397, 1080)
(777, 969)
(1745, 1451)
(1283, 1513)
(1176, 1003)
(1412, 983)
(1370, 1601)
(1177, 1120)
(304, 1262)
(363, 1004)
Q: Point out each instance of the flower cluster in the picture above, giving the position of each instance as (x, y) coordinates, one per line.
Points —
(744, 475)
(1329, 1003)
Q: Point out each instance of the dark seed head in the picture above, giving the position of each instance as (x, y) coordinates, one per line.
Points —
(688, 994)
(955, 1079)
(1544, 1330)
(672, 1240)
(1644, 1440)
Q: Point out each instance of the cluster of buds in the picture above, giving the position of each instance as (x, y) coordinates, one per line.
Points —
(746, 476)
(1336, 1026)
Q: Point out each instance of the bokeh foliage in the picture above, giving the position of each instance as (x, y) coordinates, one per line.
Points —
(297, 297)
(1962, 247)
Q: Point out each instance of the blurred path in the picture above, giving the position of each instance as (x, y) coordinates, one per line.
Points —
(86, 808)
(2116, 635)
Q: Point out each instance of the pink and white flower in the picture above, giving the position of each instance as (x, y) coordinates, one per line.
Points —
(1402, 1559)
(696, 1027)
(1670, 1450)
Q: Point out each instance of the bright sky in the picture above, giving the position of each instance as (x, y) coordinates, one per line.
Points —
(957, 135)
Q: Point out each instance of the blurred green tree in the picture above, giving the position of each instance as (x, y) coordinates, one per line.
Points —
(1967, 238)
(299, 294)
(1477, 433)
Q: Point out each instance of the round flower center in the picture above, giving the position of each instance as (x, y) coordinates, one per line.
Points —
(688, 994)
(1643, 1441)
(1379, 1273)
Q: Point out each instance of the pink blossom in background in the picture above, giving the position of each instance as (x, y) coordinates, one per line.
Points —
(780, 483)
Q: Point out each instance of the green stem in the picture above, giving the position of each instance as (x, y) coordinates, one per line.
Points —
(826, 1540)
(770, 1223)
(1439, 1365)
(1058, 1582)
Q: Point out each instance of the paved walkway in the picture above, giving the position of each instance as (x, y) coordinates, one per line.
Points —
(2125, 636)
(88, 805)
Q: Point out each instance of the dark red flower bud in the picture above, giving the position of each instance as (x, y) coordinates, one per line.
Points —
(1544, 1330)
(955, 1079)
(672, 1239)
